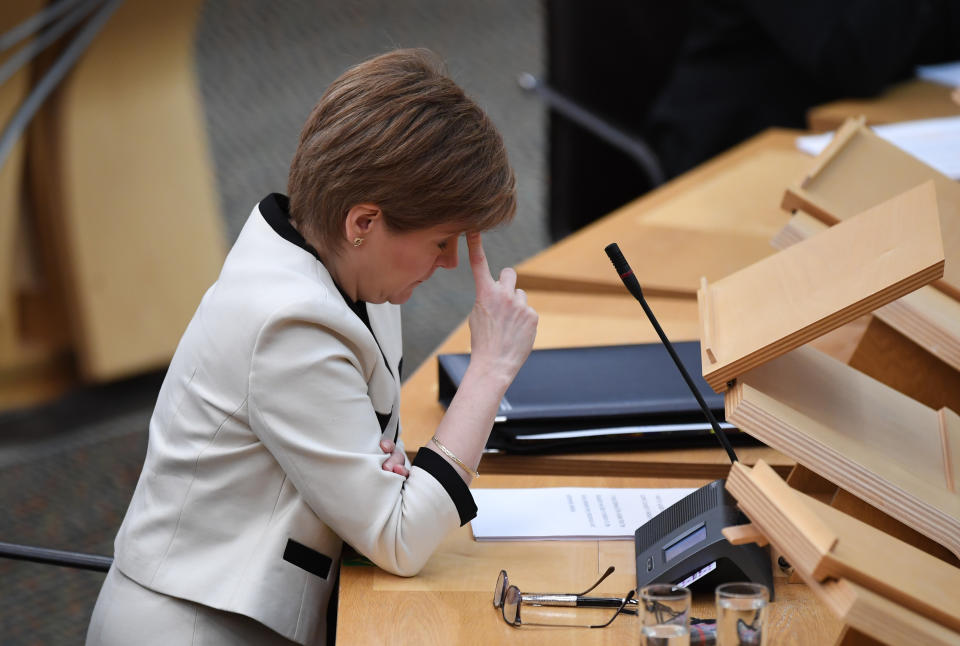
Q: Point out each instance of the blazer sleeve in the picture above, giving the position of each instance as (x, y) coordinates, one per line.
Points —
(309, 405)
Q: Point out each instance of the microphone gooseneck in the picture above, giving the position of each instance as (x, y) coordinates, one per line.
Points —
(633, 286)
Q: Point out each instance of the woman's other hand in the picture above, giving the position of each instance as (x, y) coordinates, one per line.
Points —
(396, 462)
(502, 325)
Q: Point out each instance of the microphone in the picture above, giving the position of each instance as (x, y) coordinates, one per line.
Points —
(633, 286)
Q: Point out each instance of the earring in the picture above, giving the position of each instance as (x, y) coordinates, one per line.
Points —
(357, 242)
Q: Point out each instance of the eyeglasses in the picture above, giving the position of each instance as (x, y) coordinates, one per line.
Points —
(508, 599)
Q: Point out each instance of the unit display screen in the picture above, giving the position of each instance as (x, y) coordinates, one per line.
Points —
(685, 542)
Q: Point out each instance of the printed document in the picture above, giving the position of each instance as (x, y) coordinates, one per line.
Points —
(567, 513)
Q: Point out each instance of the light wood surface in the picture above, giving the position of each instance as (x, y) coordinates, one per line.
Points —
(927, 316)
(860, 170)
(450, 602)
(130, 195)
(812, 287)
(904, 576)
(710, 221)
(881, 619)
(906, 101)
(865, 437)
(33, 365)
(567, 320)
(889, 356)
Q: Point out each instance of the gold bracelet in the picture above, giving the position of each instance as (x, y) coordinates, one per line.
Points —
(447, 452)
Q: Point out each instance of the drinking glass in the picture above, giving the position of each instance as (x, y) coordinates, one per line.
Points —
(741, 614)
(664, 615)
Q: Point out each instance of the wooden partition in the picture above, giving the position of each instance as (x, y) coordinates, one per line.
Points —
(877, 585)
(859, 170)
(911, 344)
(125, 189)
(817, 285)
(34, 343)
(885, 448)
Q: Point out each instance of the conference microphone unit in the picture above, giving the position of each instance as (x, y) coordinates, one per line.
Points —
(684, 543)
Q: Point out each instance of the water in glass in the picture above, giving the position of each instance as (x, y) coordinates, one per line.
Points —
(665, 635)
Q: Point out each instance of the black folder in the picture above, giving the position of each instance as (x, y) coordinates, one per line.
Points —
(598, 398)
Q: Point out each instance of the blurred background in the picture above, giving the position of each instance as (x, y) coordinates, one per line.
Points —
(139, 135)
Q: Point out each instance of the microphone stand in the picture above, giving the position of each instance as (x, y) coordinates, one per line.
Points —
(707, 510)
(633, 286)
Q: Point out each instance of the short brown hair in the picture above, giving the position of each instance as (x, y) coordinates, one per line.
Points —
(397, 132)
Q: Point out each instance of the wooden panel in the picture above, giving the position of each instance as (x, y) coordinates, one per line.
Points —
(927, 317)
(873, 619)
(907, 101)
(860, 170)
(950, 443)
(863, 511)
(564, 317)
(891, 357)
(34, 342)
(138, 221)
(11, 190)
(887, 567)
(819, 284)
(891, 623)
(853, 431)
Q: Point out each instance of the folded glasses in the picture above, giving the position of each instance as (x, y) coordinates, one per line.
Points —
(508, 599)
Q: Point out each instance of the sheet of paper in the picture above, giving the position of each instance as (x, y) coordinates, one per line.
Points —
(567, 513)
(942, 73)
(935, 142)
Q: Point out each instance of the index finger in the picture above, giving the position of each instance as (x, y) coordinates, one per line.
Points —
(478, 261)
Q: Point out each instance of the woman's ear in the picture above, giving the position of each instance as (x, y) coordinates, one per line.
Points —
(362, 220)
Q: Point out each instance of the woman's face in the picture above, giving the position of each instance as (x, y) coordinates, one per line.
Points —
(396, 263)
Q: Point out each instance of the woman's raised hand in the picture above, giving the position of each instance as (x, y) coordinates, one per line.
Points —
(502, 325)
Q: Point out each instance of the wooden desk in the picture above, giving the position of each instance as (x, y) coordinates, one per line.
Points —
(709, 222)
(450, 601)
(913, 99)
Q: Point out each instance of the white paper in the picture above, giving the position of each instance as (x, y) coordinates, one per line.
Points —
(936, 142)
(942, 73)
(567, 513)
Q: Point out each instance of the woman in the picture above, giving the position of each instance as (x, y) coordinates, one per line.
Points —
(267, 442)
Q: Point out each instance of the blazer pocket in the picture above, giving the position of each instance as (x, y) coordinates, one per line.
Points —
(307, 558)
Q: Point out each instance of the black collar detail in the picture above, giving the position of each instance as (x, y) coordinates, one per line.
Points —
(276, 211)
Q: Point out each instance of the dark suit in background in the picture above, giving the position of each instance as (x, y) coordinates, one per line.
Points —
(696, 77)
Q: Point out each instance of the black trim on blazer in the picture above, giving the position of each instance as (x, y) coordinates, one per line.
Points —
(307, 558)
(448, 477)
(275, 209)
(384, 419)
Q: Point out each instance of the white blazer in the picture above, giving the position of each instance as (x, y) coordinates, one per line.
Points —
(264, 445)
